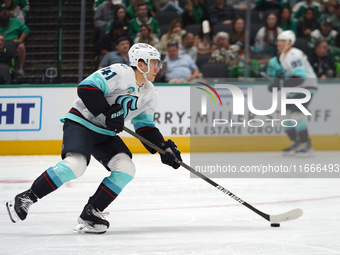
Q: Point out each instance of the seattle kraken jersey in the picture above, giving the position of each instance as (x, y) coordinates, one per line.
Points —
(118, 83)
(293, 64)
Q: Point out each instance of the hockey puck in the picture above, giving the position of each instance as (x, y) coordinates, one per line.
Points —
(275, 225)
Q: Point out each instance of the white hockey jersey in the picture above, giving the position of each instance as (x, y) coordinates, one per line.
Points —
(118, 84)
(296, 64)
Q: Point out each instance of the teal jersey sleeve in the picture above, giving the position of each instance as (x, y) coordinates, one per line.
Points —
(274, 68)
(143, 120)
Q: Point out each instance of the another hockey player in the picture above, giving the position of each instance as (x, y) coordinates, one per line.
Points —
(292, 69)
(105, 100)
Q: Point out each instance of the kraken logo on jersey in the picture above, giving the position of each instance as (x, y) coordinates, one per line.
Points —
(130, 90)
(128, 103)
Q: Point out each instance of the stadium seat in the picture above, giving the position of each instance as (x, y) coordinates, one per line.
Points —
(202, 59)
(163, 29)
(302, 44)
(254, 28)
(222, 27)
(165, 17)
(193, 28)
(213, 70)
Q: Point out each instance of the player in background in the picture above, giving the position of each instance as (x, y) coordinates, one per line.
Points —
(292, 69)
(106, 99)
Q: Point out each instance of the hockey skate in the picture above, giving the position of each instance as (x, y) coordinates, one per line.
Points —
(19, 206)
(305, 150)
(91, 220)
(290, 151)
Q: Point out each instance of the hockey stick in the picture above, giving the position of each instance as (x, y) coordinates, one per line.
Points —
(287, 216)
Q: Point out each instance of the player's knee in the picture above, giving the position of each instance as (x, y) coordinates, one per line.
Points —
(76, 162)
(122, 163)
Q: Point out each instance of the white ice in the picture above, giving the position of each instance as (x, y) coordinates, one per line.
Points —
(164, 211)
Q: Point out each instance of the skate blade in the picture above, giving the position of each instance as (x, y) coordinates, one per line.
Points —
(85, 228)
(288, 153)
(308, 154)
(11, 212)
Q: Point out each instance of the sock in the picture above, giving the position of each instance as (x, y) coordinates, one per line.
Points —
(104, 195)
(301, 130)
(47, 182)
(291, 131)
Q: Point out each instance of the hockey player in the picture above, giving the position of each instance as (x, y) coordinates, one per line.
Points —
(292, 69)
(106, 99)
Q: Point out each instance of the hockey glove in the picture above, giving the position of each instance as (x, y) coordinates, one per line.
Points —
(115, 118)
(171, 154)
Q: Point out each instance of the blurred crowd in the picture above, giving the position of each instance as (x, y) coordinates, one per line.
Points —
(199, 37)
(13, 32)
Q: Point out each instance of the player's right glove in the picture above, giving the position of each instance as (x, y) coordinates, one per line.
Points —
(115, 118)
(171, 154)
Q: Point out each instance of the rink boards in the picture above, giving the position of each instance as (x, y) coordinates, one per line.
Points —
(29, 120)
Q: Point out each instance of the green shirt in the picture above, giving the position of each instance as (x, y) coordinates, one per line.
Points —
(237, 70)
(14, 29)
(131, 12)
(134, 27)
(292, 26)
(197, 14)
(300, 8)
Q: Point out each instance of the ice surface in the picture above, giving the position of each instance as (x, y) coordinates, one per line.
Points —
(164, 211)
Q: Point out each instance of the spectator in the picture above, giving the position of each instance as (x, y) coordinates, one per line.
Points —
(14, 10)
(187, 46)
(265, 40)
(308, 24)
(104, 14)
(203, 42)
(325, 32)
(16, 31)
(335, 55)
(285, 22)
(7, 62)
(168, 5)
(238, 32)
(221, 12)
(263, 5)
(109, 40)
(24, 6)
(131, 9)
(220, 55)
(329, 11)
(141, 13)
(336, 18)
(146, 36)
(300, 8)
(241, 4)
(174, 33)
(321, 61)
(194, 13)
(119, 14)
(118, 56)
(178, 68)
(237, 68)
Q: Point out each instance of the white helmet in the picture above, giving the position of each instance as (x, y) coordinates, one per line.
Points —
(287, 35)
(145, 52)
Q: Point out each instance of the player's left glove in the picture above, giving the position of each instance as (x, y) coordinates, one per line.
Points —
(115, 118)
(171, 154)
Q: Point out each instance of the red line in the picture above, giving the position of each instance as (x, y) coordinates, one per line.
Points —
(196, 207)
(107, 191)
(88, 88)
(140, 130)
(48, 181)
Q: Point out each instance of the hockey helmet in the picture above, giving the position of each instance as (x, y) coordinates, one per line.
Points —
(145, 52)
(287, 35)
